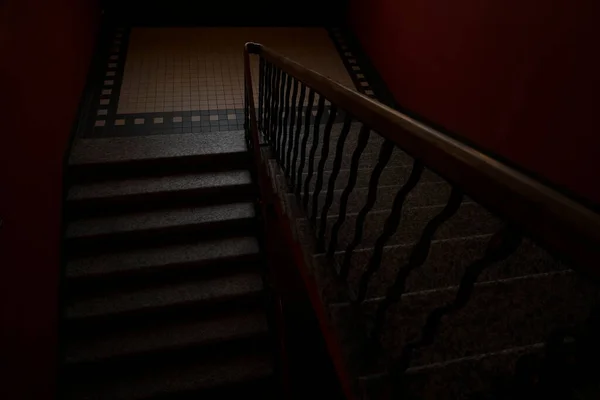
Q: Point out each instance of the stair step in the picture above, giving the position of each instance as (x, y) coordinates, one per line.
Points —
(470, 219)
(498, 315)
(424, 194)
(166, 224)
(145, 192)
(158, 338)
(455, 379)
(390, 176)
(101, 158)
(151, 260)
(246, 374)
(445, 264)
(148, 299)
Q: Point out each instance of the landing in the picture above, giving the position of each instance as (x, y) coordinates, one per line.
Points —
(190, 80)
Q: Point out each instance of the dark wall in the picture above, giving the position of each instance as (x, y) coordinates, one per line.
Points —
(517, 78)
(46, 49)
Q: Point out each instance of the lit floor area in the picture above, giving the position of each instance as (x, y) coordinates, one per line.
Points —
(190, 80)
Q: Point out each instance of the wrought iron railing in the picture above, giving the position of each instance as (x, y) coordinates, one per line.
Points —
(297, 109)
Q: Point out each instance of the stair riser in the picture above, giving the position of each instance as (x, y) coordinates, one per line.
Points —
(184, 353)
(538, 304)
(158, 200)
(158, 167)
(179, 310)
(161, 274)
(160, 236)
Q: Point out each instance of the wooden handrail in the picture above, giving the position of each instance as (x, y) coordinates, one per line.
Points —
(560, 223)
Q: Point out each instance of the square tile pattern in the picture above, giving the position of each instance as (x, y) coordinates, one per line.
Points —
(187, 69)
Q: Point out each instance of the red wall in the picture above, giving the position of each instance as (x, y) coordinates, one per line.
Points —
(45, 49)
(518, 78)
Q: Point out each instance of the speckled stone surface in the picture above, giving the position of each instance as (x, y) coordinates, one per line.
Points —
(514, 306)
(155, 380)
(446, 263)
(135, 300)
(158, 147)
(162, 337)
(470, 219)
(155, 220)
(499, 315)
(456, 379)
(424, 195)
(389, 177)
(163, 184)
(154, 259)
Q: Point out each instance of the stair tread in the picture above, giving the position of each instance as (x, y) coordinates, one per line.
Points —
(127, 301)
(154, 258)
(162, 380)
(150, 185)
(167, 336)
(156, 147)
(89, 227)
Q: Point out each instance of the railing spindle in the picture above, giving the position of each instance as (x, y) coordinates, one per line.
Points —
(293, 109)
(337, 164)
(297, 134)
(267, 105)
(261, 90)
(322, 161)
(313, 150)
(286, 131)
(385, 153)
(363, 140)
(311, 100)
(280, 113)
(275, 115)
(389, 228)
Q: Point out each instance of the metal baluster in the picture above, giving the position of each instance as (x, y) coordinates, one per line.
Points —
(286, 130)
(417, 257)
(267, 106)
(298, 130)
(337, 164)
(280, 111)
(363, 140)
(389, 228)
(502, 244)
(322, 161)
(288, 157)
(385, 153)
(311, 100)
(261, 91)
(313, 149)
(275, 115)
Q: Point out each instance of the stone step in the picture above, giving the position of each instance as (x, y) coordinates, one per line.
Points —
(499, 314)
(470, 219)
(455, 379)
(116, 196)
(445, 264)
(121, 157)
(166, 260)
(146, 300)
(389, 177)
(159, 338)
(101, 233)
(245, 374)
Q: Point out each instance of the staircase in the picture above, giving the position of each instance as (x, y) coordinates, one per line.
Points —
(428, 294)
(164, 293)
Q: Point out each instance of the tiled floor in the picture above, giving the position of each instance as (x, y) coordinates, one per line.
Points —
(182, 80)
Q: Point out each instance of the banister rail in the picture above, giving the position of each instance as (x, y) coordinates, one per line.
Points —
(560, 223)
